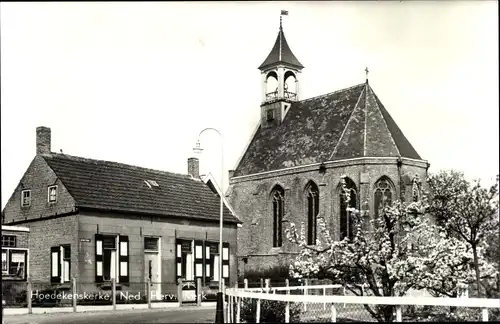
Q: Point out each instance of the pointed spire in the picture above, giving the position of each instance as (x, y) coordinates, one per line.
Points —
(281, 53)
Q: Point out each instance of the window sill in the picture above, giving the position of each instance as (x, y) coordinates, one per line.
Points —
(7, 277)
(107, 285)
(63, 286)
(276, 250)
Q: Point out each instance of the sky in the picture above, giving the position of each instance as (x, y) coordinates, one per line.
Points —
(136, 82)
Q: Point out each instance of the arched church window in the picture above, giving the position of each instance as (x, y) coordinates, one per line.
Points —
(278, 201)
(382, 195)
(312, 193)
(346, 218)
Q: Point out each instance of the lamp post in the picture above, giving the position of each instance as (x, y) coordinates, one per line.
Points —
(219, 314)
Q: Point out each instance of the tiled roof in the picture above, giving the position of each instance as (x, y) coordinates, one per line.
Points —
(281, 53)
(345, 124)
(115, 186)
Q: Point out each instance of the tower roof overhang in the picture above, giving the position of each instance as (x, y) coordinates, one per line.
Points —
(281, 54)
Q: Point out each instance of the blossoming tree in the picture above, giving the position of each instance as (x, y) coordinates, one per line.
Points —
(399, 250)
(468, 212)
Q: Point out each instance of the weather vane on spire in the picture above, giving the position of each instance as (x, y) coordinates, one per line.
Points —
(283, 13)
(366, 71)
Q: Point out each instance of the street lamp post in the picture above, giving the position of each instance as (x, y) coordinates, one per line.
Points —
(219, 315)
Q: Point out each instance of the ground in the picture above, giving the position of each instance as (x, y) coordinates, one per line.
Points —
(188, 314)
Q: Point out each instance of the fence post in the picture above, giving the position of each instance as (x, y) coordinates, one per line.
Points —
(485, 314)
(179, 291)
(245, 282)
(29, 293)
(334, 314)
(344, 295)
(399, 317)
(198, 292)
(238, 309)
(267, 285)
(261, 284)
(113, 292)
(306, 283)
(257, 313)
(287, 308)
(235, 301)
(224, 303)
(324, 294)
(148, 291)
(228, 310)
(73, 290)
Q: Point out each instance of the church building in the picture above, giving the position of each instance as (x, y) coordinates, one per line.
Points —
(300, 154)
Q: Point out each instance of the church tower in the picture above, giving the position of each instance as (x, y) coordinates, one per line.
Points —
(280, 81)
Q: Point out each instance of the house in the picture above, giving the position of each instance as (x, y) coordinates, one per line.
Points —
(301, 153)
(15, 253)
(98, 220)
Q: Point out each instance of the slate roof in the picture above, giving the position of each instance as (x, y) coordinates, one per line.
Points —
(281, 53)
(111, 186)
(345, 124)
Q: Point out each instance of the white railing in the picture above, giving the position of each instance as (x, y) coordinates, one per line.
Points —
(235, 295)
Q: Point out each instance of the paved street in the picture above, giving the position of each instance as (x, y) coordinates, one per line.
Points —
(188, 314)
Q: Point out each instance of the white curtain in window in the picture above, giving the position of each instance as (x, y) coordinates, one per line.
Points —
(113, 264)
(123, 248)
(216, 268)
(66, 271)
(4, 261)
(189, 266)
(55, 264)
(199, 252)
(179, 269)
(123, 269)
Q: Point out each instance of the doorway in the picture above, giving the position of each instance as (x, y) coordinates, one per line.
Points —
(152, 266)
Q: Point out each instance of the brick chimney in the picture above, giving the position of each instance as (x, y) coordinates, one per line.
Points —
(194, 167)
(42, 140)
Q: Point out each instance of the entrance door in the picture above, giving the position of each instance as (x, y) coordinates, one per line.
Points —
(152, 271)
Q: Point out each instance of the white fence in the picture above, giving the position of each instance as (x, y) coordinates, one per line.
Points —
(235, 296)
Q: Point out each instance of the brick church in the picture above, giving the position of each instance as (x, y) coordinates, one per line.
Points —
(301, 152)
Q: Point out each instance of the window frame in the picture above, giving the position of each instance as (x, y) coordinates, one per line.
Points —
(270, 115)
(121, 247)
(278, 211)
(312, 212)
(49, 195)
(6, 275)
(206, 259)
(62, 258)
(23, 205)
(389, 188)
(157, 239)
(345, 217)
(8, 245)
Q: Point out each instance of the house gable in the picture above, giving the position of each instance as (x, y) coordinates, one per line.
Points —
(37, 178)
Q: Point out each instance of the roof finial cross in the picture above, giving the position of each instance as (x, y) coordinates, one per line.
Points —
(366, 71)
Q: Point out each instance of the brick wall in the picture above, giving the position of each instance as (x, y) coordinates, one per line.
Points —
(250, 197)
(136, 228)
(37, 178)
(47, 233)
(22, 238)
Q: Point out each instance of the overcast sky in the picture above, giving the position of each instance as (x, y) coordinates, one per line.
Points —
(136, 82)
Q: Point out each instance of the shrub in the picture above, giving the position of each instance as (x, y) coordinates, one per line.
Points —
(277, 274)
(14, 294)
(271, 311)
